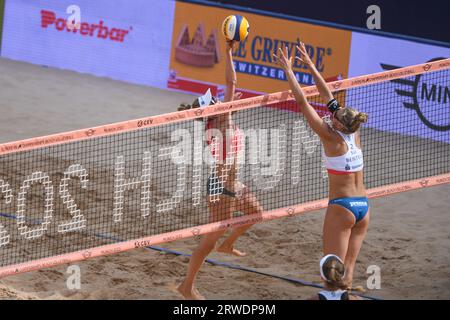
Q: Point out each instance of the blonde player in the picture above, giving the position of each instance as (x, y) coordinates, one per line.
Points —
(347, 216)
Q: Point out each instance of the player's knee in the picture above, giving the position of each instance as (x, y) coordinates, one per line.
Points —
(216, 235)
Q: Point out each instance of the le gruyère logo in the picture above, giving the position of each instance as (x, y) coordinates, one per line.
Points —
(428, 95)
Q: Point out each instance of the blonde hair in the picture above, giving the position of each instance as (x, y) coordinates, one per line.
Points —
(352, 119)
(334, 271)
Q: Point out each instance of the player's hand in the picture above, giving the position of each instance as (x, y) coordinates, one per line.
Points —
(231, 44)
(240, 189)
(283, 59)
(304, 57)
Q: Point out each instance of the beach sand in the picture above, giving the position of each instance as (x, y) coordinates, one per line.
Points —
(408, 238)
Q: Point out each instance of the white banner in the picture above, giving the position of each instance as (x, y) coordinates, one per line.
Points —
(422, 101)
(121, 39)
(368, 52)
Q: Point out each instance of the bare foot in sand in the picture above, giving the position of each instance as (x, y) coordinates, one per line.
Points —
(230, 250)
(349, 286)
(357, 289)
(192, 294)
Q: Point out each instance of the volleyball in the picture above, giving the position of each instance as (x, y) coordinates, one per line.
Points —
(235, 27)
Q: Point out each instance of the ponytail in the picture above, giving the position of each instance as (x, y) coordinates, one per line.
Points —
(352, 119)
(332, 270)
(361, 117)
(335, 274)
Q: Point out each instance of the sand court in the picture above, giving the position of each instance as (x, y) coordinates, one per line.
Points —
(408, 238)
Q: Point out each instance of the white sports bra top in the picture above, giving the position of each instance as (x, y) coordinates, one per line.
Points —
(352, 161)
(333, 295)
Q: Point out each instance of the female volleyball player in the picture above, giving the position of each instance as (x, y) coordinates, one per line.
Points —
(225, 194)
(347, 216)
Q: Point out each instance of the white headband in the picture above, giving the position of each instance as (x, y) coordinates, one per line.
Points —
(322, 262)
(205, 100)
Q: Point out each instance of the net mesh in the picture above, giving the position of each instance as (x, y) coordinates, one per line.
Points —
(66, 197)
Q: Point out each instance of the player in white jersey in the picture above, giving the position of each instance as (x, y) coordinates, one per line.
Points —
(347, 216)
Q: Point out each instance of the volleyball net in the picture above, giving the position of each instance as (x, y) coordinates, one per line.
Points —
(102, 190)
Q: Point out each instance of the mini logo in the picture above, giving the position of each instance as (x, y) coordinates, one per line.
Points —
(87, 254)
(337, 85)
(198, 112)
(424, 182)
(347, 167)
(290, 211)
(427, 95)
(195, 231)
(89, 132)
(144, 122)
(16, 271)
(426, 67)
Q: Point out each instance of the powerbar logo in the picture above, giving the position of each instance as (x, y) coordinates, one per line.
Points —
(48, 18)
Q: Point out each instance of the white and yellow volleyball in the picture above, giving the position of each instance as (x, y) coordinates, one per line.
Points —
(235, 27)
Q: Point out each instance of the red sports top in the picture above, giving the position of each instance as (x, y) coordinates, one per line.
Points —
(219, 150)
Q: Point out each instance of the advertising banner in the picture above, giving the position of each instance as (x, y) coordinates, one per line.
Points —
(2, 11)
(422, 100)
(369, 52)
(123, 40)
(197, 62)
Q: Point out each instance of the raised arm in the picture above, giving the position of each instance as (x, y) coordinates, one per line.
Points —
(230, 73)
(314, 120)
(324, 91)
(224, 121)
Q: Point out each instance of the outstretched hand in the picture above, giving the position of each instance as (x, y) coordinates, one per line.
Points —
(304, 57)
(283, 59)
